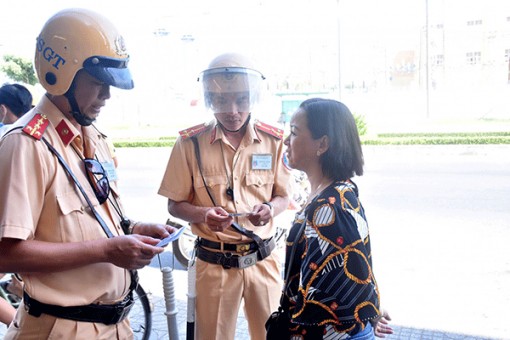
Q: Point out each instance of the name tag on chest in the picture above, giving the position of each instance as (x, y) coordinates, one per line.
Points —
(262, 161)
(111, 173)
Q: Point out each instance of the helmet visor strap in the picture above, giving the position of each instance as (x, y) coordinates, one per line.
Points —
(75, 110)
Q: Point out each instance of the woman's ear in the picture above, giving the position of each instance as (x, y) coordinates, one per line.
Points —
(324, 144)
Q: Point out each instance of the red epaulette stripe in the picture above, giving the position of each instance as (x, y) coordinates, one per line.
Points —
(36, 126)
(269, 129)
(192, 131)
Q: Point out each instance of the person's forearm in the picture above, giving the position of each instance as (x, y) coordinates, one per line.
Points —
(6, 312)
(280, 204)
(26, 256)
(187, 211)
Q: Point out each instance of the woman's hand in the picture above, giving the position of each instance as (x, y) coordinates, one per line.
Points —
(381, 325)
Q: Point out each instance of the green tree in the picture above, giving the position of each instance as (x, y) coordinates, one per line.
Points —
(361, 124)
(19, 69)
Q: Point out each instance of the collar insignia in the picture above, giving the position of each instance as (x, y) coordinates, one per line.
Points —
(64, 132)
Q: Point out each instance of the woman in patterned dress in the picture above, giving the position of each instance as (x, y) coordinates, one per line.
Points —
(332, 292)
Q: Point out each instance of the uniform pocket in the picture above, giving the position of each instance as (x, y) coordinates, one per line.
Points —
(260, 179)
(260, 186)
(76, 218)
(69, 203)
(216, 184)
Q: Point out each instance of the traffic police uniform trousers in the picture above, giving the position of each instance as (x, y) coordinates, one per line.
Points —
(219, 295)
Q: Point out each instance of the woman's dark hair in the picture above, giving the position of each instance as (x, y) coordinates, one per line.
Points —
(326, 117)
(17, 98)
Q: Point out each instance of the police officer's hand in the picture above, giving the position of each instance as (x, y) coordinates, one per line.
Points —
(153, 229)
(217, 219)
(260, 215)
(132, 251)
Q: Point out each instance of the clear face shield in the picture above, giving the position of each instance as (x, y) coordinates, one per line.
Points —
(231, 89)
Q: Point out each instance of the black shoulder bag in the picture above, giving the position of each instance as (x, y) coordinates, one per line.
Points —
(278, 324)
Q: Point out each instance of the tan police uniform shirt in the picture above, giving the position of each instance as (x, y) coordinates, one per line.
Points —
(252, 182)
(39, 201)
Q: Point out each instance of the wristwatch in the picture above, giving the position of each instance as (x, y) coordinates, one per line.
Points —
(271, 207)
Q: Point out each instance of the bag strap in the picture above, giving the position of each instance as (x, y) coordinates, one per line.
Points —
(199, 162)
(291, 260)
(292, 253)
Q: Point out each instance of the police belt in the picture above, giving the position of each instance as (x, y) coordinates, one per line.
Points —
(228, 260)
(235, 247)
(107, 314)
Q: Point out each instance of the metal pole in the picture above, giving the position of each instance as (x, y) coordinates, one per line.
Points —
(192, 295)
(339, 50)
(171, 310)
(427, 82)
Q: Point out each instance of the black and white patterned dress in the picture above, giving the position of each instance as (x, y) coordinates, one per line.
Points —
(332, 288)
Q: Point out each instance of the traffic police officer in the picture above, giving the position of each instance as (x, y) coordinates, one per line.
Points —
(62, 225)
(231, 170)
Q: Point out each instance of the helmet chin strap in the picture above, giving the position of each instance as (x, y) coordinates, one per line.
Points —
(75, 110)
(234, 131)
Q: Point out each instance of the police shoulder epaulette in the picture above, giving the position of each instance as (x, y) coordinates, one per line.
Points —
(193, 131)
(36, 126)
(269, 129)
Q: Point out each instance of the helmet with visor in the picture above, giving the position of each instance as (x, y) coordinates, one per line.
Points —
(231, 84)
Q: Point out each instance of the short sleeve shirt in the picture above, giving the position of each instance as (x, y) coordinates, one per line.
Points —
(254, 171)
(38, 201)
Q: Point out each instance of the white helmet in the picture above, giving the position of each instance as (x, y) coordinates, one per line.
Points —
(234, 74)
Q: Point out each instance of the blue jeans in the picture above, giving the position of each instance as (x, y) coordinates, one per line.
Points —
(366, 334)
